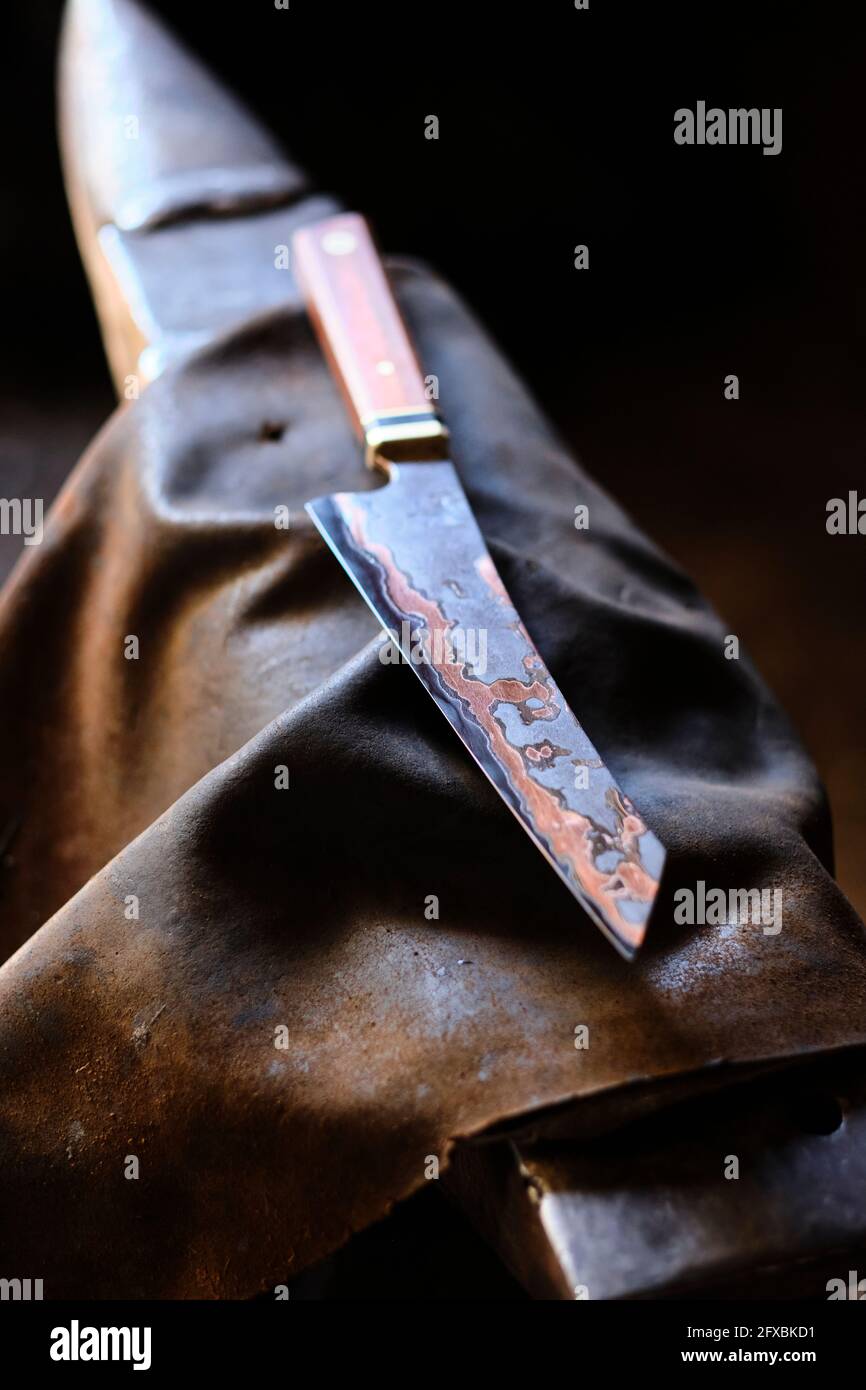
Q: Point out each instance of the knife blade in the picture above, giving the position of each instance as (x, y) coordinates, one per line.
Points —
(417, 556)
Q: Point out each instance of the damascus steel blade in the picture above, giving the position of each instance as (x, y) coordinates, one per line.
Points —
(414, 550)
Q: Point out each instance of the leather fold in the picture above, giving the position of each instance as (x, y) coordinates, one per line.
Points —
(277, 939)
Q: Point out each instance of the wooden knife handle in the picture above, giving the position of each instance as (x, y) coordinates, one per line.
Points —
(365, 340)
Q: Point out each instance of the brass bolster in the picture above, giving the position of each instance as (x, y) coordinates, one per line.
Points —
(405, 440)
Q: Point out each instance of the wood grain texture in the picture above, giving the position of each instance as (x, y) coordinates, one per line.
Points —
(356, 317)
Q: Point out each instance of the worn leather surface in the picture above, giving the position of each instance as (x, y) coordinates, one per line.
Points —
(259, 907)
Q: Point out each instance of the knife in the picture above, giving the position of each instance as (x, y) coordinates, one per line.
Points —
(414, 550)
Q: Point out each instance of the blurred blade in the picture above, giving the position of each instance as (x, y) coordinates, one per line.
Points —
(414, 550)
(180, 200)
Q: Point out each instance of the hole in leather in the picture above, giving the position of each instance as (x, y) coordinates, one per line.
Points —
(819, 1113)
(270, 431)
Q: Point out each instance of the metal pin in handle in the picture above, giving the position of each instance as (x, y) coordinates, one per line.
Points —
(363, 335)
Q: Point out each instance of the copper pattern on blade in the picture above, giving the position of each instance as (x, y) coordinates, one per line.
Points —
(416, 554)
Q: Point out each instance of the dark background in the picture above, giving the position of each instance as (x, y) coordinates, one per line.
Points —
(556, 128)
